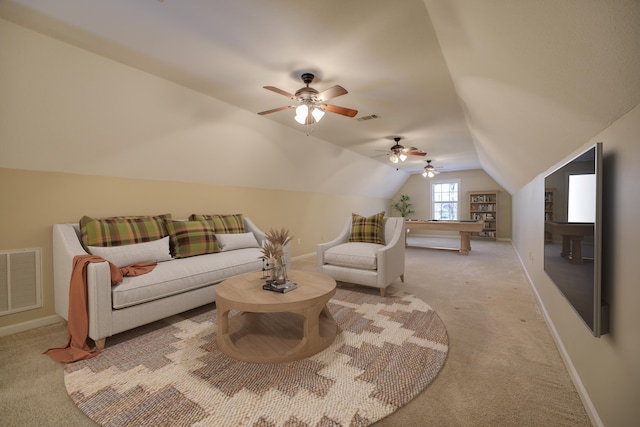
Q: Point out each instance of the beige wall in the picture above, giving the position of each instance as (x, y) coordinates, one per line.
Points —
(418, 188)
(33, 201)
(607, 368)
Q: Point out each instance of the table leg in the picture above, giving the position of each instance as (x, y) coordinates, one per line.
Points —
(465, 242)
(576, 250)
(222, 335)
(566, 247)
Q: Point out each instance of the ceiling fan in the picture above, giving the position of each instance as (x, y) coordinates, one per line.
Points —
(429, 170)
(398, 153)
(311, 104)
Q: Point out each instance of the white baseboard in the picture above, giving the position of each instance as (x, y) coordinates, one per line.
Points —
(31, 324)
(575, 377)
(299, 257)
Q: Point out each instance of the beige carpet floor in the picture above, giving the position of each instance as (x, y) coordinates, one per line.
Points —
(503, 368)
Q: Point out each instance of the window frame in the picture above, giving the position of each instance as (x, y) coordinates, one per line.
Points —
(433, 201)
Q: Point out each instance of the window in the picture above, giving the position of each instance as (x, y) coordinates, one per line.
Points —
(582, 198)
(444, 198)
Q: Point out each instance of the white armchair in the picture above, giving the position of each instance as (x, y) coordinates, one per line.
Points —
(367, 264)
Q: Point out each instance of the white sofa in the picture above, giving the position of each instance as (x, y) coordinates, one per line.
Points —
(171, 287)
(367, 264)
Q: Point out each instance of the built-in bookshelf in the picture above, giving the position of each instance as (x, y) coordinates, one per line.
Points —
(549, 194)
(484, 205)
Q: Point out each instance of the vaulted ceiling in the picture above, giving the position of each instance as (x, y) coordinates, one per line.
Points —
(508, 86)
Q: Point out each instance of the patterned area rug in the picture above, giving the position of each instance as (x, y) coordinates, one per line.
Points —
(171, 372)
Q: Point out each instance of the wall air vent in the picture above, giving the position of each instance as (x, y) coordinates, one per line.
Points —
(369, 117)
(20, 283)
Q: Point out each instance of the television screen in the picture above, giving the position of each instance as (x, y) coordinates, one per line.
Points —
(573, 235)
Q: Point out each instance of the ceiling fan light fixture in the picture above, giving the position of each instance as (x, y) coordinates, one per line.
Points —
(312, 104)
(317, 114)
(394, 158)
(302, 111)
(402, 157)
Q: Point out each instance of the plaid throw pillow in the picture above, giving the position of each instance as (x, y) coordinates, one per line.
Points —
(367, 229)
(122, 230)
(223, 224)
(190, 238)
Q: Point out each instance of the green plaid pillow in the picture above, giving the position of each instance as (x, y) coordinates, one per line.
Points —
(223, 224)
(122, 230)
(190, 238)
(367, 229)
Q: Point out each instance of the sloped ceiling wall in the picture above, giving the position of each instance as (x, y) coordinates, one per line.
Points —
(64, 109)
(538, 79)
(535, 79)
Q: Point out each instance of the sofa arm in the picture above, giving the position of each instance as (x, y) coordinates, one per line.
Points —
(249, 226)
(343, 237)
(99, 304)
(391, 256)
(66, 245)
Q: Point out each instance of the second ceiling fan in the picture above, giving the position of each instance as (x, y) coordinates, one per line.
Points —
(429, 170)
(311, 104)
(398, 153)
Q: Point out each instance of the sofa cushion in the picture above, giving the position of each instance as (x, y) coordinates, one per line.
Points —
(230, 242)
(190, 238)
(122, 230)
(121, 256)
(223, 224)
(353, 255)
(367, 229)
(185, 274)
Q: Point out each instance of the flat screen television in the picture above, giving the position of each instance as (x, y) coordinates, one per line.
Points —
(573, 235)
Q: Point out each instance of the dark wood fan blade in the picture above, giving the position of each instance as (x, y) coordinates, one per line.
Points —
(340, 110)
(413, 151)
(332, 92)
(280, 91)
(286, 107)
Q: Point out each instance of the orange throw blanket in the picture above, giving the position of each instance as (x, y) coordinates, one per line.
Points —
(78, 319)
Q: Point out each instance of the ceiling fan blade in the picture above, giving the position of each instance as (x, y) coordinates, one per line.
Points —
(332, 92)
(416, 153)
(286, 107)
(280, 91)
(340, 110)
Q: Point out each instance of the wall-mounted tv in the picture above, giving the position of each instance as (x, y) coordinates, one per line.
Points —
(573, 235)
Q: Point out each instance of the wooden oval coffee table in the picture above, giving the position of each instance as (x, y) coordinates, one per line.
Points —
(272, 327)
